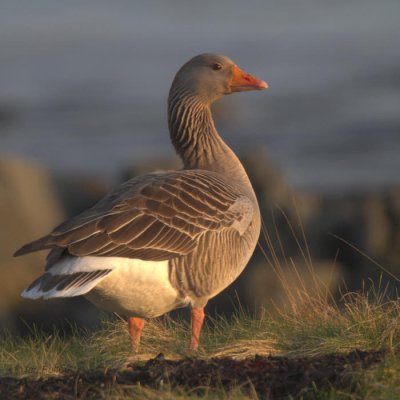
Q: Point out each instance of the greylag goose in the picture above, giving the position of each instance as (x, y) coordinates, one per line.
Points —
(167, 239)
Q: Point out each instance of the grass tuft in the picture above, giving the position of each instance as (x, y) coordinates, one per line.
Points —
(313, 323)
(314, 329)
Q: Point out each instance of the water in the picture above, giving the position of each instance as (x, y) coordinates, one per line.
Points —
(83, 84)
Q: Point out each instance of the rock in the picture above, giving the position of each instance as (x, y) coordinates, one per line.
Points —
(77, 193)
(29, 208)
(376, 226)
(285, 211)
(291, 282)
(394, 202)
(393, 209)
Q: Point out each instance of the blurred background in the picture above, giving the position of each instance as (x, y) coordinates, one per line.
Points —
(83, 89)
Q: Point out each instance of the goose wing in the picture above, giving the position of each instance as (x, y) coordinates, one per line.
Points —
(155, 217)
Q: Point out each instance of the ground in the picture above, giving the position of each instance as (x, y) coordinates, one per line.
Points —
(266, 377)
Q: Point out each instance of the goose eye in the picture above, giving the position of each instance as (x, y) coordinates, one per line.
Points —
(216, 67)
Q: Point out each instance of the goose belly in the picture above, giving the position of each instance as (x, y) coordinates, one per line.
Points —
(136, 288)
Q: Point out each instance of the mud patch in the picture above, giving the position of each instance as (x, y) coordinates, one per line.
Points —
(270, 377)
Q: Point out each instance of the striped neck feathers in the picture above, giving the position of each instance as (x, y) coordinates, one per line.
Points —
(195, 137)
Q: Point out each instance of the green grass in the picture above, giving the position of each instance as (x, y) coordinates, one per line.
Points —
(364, 321)
(313, 323)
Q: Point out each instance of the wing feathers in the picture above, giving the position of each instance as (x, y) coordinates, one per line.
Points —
(114, 222)
(129, 233)
(89, 245)
(75, 235)
(153, 217)
(39, 244)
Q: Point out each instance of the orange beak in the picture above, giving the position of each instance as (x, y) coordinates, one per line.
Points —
(242, 81)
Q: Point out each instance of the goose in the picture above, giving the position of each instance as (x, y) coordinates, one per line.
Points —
(167, 239)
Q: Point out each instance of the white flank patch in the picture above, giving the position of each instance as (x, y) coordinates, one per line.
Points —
(131, 283)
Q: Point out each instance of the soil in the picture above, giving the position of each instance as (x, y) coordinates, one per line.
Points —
(270, 377)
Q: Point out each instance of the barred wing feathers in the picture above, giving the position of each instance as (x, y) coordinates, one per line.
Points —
(154, 217)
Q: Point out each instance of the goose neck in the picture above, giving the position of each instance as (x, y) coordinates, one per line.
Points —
(196, 139)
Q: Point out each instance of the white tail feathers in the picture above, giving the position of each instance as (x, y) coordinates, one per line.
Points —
(64, 285)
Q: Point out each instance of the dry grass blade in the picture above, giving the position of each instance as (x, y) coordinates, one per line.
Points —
(381, 267)
(245, 348)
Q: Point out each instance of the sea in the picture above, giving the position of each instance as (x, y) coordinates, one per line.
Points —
(84, 84)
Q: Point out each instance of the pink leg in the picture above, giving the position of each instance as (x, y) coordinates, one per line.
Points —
(135, 327)
(197, 315)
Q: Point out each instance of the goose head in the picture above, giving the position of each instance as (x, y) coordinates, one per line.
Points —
(209, 76)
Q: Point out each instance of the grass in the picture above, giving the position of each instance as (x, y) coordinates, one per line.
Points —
(363, 322)
(313, 324)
